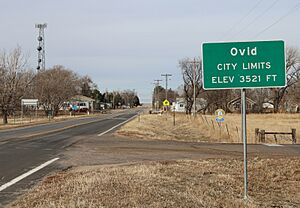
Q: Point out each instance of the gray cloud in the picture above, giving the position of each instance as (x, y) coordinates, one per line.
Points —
(127, 44)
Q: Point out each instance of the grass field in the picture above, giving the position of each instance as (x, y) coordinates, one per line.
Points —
(184, 183)
(205, 128)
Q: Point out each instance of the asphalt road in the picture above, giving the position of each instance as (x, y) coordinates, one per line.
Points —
(30, 131)
(23, 149)
(83, 142)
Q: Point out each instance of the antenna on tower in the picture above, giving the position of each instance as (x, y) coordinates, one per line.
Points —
(41, 46)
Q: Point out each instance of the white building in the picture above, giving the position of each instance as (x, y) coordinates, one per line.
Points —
(180, 104)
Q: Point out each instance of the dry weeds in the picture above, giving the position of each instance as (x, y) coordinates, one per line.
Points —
(205, 128)
(185, 183)
(18, 122)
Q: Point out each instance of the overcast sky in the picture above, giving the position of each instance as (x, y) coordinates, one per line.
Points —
(126, 44)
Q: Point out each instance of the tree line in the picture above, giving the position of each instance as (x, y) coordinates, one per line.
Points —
(52, 87)
(279, 98)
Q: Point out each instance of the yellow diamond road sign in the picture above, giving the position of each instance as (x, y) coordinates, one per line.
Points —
(166, 103)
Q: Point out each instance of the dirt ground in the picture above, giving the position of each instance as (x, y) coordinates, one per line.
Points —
(182, 183)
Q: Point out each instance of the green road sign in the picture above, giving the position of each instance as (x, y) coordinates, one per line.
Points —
(256, 64)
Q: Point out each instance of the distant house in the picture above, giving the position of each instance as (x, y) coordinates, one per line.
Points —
(267, 106)
(84, 103)
(200, 104)
(291, 107)
(235, 105)
(180, 104)
(103, 105)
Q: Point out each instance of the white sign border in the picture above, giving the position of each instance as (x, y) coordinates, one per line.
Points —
(244, 41)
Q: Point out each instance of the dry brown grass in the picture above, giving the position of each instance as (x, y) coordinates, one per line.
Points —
(18, 122)
(15, 123)
(205, 128)
(185, 183)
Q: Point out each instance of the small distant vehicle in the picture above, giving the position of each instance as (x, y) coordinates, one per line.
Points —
(83, 106)
(80, 107)
(155, 111)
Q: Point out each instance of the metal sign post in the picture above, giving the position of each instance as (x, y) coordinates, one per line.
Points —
(244, 136)
(28, 102)
(174, 115)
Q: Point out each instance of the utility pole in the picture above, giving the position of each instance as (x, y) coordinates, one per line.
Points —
(156, 83)
(194, 62)
(113, 102)
(166, 75)
(41, 47)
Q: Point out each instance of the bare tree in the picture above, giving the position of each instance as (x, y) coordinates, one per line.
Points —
(119, 98)
(14, 81)
(218, 99)
(87, 86)
(159, 95)
(192, 75)
(55, 86)
(128, 97)
(292, 74)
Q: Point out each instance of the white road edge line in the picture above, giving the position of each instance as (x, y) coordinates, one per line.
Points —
(105, 132)
(17, 179)
(273, 145)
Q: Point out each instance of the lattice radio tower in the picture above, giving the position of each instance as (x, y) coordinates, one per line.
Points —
(41, 46)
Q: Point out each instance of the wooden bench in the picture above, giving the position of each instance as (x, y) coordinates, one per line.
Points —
(261, 135)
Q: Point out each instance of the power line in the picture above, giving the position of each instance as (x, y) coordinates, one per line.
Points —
(293, 9)
(244, 17)
(256, 18)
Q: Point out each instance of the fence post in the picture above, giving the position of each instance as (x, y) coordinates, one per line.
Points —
(275, 137)
(174, 121)
(237, 131)
(262, 136)
(206, 120)
(213, 124)
(227, 130)
(294, 136)
(220, 128)
(257, 135)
